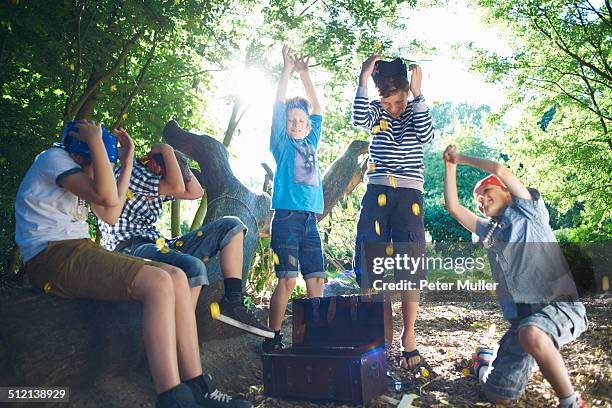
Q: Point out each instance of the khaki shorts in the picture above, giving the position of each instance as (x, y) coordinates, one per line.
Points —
(80, 268)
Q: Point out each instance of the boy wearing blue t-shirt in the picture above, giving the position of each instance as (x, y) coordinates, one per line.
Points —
(297, 196)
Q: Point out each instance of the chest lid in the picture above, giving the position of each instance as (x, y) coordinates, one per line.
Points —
(339, 322)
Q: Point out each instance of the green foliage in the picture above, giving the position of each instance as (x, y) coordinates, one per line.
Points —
(560, 57)
(462, 125)
(139, 64)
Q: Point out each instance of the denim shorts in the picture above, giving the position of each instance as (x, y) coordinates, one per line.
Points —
(190, 251)
(389, 215)
(511, 369)
(296, 241)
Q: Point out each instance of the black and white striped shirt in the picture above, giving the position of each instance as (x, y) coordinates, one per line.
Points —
(141, 210)
(396, 147)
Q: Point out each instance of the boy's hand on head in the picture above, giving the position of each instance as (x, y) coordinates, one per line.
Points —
(301, 64)
(126, 145)
(416, 76)
(88, 131)
(288, 60)
(450, 154)
(367, 68)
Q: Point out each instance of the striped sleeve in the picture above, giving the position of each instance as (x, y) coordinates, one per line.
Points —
(423, 124)
(364, 112)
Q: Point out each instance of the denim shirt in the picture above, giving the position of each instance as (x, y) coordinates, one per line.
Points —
(525, 258)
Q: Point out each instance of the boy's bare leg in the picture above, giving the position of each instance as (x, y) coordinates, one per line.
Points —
(154, 288)
(541, 347)
(278, 301)
(195, 294)
(410, 305)
(189, 362)
(314, 287)
(231, 257)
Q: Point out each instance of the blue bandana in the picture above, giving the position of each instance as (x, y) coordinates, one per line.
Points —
(303, 105)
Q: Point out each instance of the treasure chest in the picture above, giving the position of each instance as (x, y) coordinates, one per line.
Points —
(338, 352)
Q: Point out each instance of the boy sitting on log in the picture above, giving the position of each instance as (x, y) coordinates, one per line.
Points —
(164, 175)
(535, 289)
(52, 232)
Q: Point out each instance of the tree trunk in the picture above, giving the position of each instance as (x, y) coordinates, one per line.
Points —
(343, 175)
(175, 218)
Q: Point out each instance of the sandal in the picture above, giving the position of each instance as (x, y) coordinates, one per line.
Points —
(409, 354)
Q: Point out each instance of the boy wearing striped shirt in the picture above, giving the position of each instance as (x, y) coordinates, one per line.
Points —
(391, 209)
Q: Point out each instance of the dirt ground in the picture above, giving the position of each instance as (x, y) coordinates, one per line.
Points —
(447, 334)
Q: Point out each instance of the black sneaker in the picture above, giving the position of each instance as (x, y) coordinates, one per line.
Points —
(236, 314)
(275, 343)
(180, 396)
(212, 397)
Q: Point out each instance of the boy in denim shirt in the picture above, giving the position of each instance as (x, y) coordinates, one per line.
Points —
(297, 196)
(536, 293)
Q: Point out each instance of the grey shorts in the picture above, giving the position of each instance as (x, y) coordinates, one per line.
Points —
(511, 369)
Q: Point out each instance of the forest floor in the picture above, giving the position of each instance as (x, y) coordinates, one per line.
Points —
(447, 334)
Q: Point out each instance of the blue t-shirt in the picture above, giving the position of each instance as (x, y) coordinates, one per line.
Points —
(297, 183)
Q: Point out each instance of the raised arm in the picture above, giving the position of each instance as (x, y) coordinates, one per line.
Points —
(423, 123)
(301, 67)
(364, 113)
(515, 186)
(101, 189)
(451, 198)
(288, 64)
(193, 189)
(110, 214)
(172, 182)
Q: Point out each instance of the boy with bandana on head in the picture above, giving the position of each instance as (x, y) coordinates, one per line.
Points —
(535, 289)
(298, 194)
(52, 232)
(392, 207)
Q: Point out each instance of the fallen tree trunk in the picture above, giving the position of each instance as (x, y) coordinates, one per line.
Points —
(343, 175)
(49, 341)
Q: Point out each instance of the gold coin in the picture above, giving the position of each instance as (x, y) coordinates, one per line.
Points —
(215, 311)
(389, 250)
(382, 200)
(371, 167)
(199, 233)
(179, 243)
(384, 125)
(292, 260)
(392, 181)
(376, 129)
(416, 209)
(47, 287)
(377, 226)
(276, 260)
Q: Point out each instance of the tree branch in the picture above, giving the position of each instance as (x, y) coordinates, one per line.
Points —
(77, 67)
(193, 74)
(589, 38)
(601, 16)
(139, 80)
(95, 84)
(308, 7)
(564, 47)
(582, 103)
